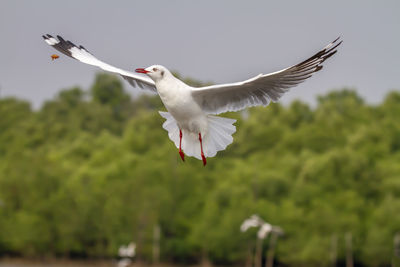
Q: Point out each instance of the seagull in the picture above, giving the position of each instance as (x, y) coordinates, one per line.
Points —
(190, 121)
(265, 228)
(127, 251)
(253, 221)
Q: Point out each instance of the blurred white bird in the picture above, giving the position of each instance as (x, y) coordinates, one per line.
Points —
(253, 221)
(189, 121)
(265, 228)
(127, 251)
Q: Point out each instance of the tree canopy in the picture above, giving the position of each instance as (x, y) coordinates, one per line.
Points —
(91, 170)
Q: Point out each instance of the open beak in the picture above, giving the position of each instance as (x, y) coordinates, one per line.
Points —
(141, 70)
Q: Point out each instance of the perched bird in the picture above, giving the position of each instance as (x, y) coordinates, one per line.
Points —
(127, 251)
(190, 121)
(253, 221)
(265, 228)
(54, 56)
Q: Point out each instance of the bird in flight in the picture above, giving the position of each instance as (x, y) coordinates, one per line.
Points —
(190, 121)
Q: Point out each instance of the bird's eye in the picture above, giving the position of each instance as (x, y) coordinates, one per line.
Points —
(154, 69)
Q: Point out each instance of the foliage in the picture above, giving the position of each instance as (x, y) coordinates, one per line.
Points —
(93, 170)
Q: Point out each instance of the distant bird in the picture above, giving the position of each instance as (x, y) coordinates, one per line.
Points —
(54, 56)
(127, 251)
(267, 228)
(253, 221)
(263, 232)
(190, 119)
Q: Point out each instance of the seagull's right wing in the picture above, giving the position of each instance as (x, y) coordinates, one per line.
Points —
(81, 54)
(262, 89)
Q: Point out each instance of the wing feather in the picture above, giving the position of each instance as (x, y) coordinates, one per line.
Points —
(263, 88)
(83, 55)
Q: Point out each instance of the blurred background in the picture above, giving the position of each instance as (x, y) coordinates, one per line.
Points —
(86, 167)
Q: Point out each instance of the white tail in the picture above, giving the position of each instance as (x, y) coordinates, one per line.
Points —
(217, 138)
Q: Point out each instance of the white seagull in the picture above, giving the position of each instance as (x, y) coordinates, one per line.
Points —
(265, 228)
(127, 251)
(253, 221)
(190, 119)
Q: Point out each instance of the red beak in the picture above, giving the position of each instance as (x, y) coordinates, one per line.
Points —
(141, 70)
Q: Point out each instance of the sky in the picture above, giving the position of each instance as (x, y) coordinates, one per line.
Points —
(220, 41)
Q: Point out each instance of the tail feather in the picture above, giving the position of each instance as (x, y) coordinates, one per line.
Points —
(217, 138)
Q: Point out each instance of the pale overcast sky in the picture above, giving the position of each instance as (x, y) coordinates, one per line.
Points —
(219, 41)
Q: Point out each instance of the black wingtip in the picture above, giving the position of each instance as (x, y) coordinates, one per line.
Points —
(336, 39)
(329, 55)
(60, 38)
(334, 47)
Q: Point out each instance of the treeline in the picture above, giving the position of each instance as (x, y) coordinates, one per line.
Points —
(90, 171)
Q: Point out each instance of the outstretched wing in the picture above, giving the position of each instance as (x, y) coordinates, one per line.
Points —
(262, 89)
(81, 54)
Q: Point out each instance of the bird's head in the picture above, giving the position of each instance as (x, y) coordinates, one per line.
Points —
(155, 72)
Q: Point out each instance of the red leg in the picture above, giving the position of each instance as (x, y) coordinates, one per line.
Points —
(202, 154)
(180, 146)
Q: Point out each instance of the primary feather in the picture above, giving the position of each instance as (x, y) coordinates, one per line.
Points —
(80, 53)
(262, 89)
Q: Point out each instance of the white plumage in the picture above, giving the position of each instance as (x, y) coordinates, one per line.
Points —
(189, 121)
(81, 54)
(265, 228)
(127, 251)
(219, 137)
(253, 221)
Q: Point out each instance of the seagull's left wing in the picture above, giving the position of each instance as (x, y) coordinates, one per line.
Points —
(81, 54)
(262, 89)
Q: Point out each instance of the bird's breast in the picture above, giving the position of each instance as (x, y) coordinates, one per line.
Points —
(181, 105)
